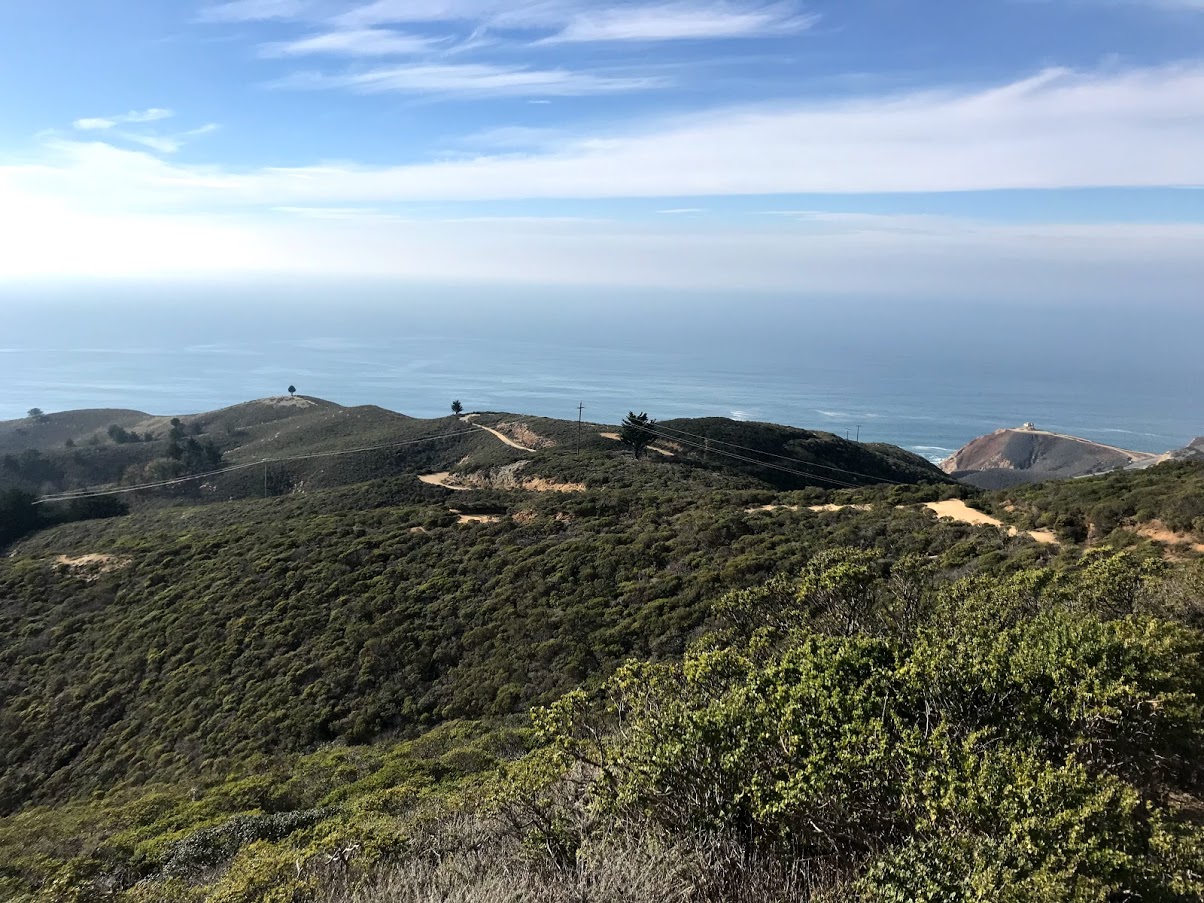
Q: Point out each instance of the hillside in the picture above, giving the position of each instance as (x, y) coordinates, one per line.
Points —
(552, 671)
(1010, 457)
(310, 443)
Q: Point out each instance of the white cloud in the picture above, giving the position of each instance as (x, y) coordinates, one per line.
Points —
(1058, 130)
(256, 10)
(469, 79)
(520, 13)
(88, 207)
(679, 21)
(102, 123)
(167, 144)
(573, 20)
(352, 42)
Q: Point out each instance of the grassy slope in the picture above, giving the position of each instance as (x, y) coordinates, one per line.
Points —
(291, 428)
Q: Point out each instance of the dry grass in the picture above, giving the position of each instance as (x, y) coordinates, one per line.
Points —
(623, 867)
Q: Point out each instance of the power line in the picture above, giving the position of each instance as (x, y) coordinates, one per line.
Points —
(263, 462)
(734, 456)
(709, 442)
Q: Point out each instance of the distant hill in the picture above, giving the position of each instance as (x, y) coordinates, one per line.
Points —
(1011, 457)
(310, 443)
(52, 430)
(791, 458)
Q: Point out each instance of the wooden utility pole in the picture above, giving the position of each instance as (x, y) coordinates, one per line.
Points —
(580, 411)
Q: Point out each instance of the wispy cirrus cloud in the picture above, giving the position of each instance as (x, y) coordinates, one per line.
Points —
(103, 123)
(471, 80)
(681, 21)
(111, 126)
(362, 42)
(1059, 129)
(257, 10)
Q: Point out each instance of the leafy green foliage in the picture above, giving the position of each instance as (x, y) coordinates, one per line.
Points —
(311, 697)
(636, 432)
(1108, 508)
(1019, 744)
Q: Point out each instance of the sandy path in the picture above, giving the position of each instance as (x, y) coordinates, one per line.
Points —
(504, 438)
(958, 510)
(816, 508)
(443, 479)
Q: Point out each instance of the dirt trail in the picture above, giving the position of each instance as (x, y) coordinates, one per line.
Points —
(958, 510)
(952, 508)
(816, 508)
(503, 437)
(444, 479)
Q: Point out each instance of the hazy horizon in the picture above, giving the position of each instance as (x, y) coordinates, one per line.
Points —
(925, 375)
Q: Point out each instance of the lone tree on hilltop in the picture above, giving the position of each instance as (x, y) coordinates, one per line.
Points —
(37, 414)
(636, 433)
(292, 390)
(457, 408)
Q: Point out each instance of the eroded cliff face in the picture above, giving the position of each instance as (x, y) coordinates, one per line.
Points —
(1029, 454)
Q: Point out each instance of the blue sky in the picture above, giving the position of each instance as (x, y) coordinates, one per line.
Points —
(868, 147)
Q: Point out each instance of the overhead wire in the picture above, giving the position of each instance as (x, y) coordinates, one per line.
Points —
(734, 456)
(669, 434)
(175, 481)
(843, 470)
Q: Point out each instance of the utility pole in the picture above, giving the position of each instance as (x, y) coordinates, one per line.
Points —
(859, 432)
(580, 411)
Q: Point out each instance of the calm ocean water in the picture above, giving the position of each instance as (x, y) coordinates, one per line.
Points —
(926, 377)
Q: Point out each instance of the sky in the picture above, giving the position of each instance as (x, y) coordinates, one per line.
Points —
(993, 149)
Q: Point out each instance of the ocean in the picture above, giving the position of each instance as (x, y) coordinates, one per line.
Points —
(926, 376)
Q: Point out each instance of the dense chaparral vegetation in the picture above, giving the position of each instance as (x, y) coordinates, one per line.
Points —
(680, 676)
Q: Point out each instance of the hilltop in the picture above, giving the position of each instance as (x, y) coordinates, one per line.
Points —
(1010, 457)
(310, 443)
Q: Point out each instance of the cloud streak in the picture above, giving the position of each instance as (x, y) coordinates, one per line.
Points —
(677, 21)
(103, 123)
(469, 80)
(363, 42)
(1059, 129)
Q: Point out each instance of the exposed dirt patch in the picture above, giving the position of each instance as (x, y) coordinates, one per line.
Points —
(522, 434)
(539, 484)
(508, 477)
(444, 479)
(462, 518)
(1159, 532)
(958, 510)
(500, 432)
(816, 508)
(93, 565)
